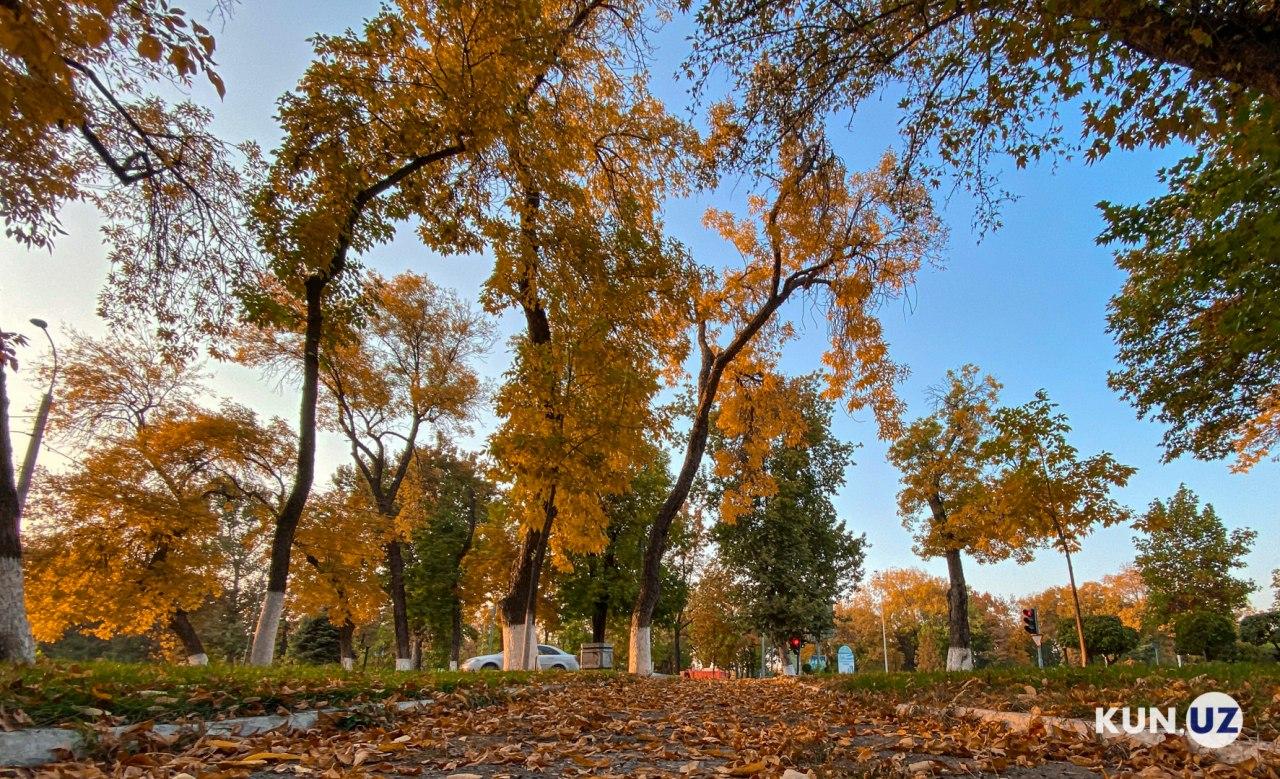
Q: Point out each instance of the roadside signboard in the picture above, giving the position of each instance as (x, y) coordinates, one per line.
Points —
(845, 663)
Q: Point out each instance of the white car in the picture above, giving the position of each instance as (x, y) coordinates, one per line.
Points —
(550, 658)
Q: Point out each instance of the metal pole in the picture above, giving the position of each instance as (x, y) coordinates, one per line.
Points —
(884, 637)
(1039, 655)
(42, 418)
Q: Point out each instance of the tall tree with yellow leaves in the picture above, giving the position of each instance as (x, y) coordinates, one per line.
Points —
(391, 123)
(408, 370)
(580, 253)
(1043, 493)
(838, 241)
(128, 539)
(942, 466)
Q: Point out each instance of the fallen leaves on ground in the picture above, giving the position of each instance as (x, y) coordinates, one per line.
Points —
(613, 725)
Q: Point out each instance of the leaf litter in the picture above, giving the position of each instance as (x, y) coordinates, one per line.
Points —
(615, 725)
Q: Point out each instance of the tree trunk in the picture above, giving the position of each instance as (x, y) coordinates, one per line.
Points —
(959, 640)
(1075, 601)
(264, 637)
(599, 619)
(399, 611)
(675, 646)
(16, 643)
(519, 606)
(959, 645)
(455, 637)
(180, 624)
(347, 644)
(640, 654)
(455, 644)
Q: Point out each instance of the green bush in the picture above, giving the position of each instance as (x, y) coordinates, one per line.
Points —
(315, 642)
(1261, 629)
(1104, 635)
(1206, 633)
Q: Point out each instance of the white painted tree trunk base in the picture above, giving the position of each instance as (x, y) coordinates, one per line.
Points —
(200, 659)
(453, 665)
(519, 650)
(404, 663)
(16, 643)
(264, 637)
(959, 658)
(640, 652)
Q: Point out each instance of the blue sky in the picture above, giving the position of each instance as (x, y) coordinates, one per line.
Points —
(1026, 303)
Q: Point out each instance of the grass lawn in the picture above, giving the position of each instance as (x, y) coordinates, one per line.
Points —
(59, 693)
(1075, 692)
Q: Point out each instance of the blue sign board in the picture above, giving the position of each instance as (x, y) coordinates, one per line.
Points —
(844, 660)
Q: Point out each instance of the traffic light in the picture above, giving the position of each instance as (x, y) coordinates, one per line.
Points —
(1029, 622)
(795, 642)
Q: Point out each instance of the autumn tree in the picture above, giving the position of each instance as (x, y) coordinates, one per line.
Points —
(838, 241)
(1044, 493)
(941, 457)
(390, 123)
(407, 371)
(719, 631)
(342, 540)
(16, 643)
(1186, 557)
(981, 80)
(128, 538)
(791, 554)
(581, 256)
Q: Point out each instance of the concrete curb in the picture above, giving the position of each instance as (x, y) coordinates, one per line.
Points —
(38, 746)
(1015, 720)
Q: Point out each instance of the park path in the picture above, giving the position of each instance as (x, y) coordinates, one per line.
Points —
(615, 725)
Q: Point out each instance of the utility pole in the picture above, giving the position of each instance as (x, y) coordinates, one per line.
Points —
(42, 418)
(884, 637)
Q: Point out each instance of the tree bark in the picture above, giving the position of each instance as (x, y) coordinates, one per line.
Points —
(519, 606)
(16, 643)
(455, 642)
(264, 637)
(180, 624)
(347, 644)
(399, 611)
(959, 639)
(1075, 600)
(599, 619)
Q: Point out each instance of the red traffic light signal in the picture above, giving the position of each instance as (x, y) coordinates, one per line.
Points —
(1030, 622)
(795, 642)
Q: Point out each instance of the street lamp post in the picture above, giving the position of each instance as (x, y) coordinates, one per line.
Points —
(42, 418)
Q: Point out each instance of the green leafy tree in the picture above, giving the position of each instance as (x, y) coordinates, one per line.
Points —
(1262, 628)
(1197, 321)
(942, 466)
(604, 585)
(454, 500)
(790, 552)
(1207, 633)
(1104, 635)
(1186, 559)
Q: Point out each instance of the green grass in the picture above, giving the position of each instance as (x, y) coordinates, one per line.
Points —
(1075, 692)
(59, 693)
